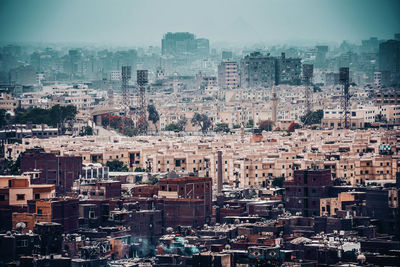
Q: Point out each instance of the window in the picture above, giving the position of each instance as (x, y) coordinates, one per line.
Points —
(39, 211)
(22, 243)
(20, 196)
(92, 214)
(37, 196)
(2, 197)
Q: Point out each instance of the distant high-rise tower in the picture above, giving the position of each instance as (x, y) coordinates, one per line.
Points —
(321, 56)
(389, 62)
(227, 55)
(228, 75)
(74, 57)
(257, 70)
(288, 70)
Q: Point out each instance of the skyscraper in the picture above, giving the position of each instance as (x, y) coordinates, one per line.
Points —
(184, 43)
(257, 70)
(320, 56)
(288, 70)
(202, 47)
(389, 61)
(228, 75)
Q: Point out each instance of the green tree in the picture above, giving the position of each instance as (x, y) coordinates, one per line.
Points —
(182, 124)
(131, 131)
(236, 126)
(250, 124)
(54, 116)
(154, 117)
(222, 127)
(140, 169)
(173, 127)
(12, 167)
(278, 182)
(313, 117)
(380, 118)
(153, 180)
(266, 125)
(116, 166)
(87, 130)
(201, 120)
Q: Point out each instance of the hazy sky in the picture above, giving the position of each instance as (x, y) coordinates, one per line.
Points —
(144, 22)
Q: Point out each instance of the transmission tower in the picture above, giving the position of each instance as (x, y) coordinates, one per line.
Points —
(274, 100)
(125, 76)
(345, 100)
(308, 70)
(142, 80)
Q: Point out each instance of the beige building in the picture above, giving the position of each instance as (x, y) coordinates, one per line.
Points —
(17, 190)
(228, 75)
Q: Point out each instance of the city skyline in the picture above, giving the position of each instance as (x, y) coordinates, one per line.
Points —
(233, 22)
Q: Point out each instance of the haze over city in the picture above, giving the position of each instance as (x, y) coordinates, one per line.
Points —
(229, 21)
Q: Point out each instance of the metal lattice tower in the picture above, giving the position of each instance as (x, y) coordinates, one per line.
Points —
(308, 70)
(345, 100)
(274, 100)
(125, 77)
(142, 80)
